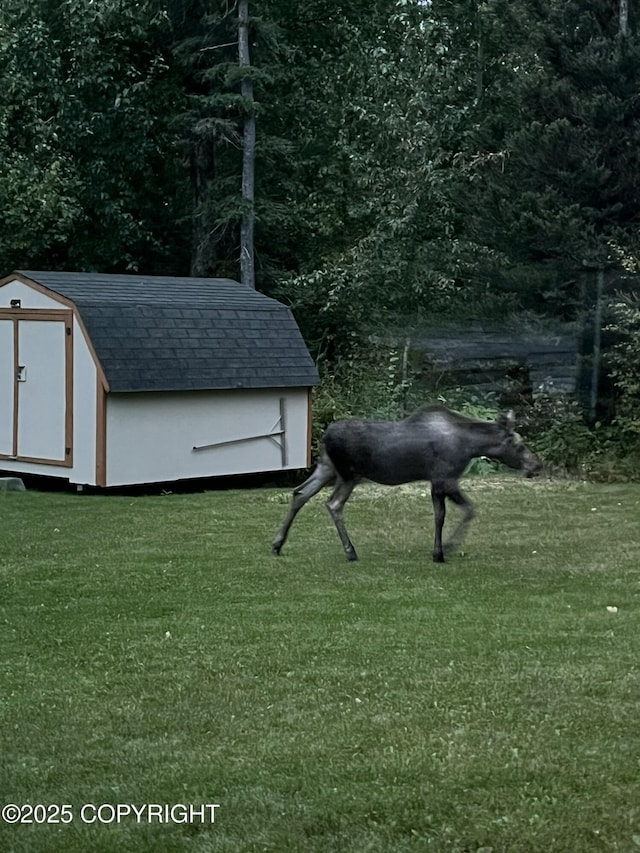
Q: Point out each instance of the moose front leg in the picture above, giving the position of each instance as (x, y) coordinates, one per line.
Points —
(439, 493)
(458, 536)
(439, 512)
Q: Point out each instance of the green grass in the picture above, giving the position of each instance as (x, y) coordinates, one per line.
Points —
(153, 651)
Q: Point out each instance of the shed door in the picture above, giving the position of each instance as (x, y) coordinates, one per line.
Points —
(35, 394)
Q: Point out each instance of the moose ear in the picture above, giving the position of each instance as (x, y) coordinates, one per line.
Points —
(507, 421)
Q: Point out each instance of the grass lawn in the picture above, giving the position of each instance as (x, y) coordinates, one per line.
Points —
(152, 651)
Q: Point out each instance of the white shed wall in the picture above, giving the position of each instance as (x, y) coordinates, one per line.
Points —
(29, 297)
(151, 436)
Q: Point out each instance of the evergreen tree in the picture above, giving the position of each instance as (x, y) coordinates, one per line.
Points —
(206, 64)
(552, 184)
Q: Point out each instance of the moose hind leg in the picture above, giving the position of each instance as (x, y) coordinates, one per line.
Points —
(335, 505)
(321, 477)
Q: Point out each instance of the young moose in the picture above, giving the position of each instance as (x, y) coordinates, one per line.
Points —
(433, 444)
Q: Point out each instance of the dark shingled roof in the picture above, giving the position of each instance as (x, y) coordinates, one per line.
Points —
(157, 333)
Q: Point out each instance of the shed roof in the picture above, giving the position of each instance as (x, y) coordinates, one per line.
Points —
(160, 333)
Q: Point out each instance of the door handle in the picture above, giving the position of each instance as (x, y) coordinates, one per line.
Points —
(21, 373)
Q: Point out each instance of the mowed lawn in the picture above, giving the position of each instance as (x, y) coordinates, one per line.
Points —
(153, 651)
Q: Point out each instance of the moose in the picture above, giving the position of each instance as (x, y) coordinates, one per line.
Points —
(434, 444)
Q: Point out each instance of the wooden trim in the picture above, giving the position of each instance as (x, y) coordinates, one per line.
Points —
(55, 463)
(101, 435)
(35, 313)
(101, 378)
(68, 390)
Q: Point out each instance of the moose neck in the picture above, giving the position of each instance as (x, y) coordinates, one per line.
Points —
(483, 439)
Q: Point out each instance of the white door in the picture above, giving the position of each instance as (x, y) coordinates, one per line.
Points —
(42, 395)
(35, 386)
(7, 387)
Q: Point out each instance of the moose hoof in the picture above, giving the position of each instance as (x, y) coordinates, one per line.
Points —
(275, 550)
(352, 557)
(438, 558)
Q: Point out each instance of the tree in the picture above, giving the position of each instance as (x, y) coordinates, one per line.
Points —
(212, 43)
(552, 178)
(247, 272)
(38, 179)
(380, 102)
(623, 17)
(89, 178)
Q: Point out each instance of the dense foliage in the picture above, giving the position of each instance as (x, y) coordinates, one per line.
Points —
(415, 158)
(86, 180)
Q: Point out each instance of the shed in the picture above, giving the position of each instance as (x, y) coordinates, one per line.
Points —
(112, 380)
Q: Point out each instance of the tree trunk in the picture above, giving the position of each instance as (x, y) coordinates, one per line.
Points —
(479, 56)
(247, 270)
(202, 173)
(597, 345)
(624, 17)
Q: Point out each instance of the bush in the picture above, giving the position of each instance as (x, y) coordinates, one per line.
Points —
(555, 428)
(622, 360)
(554, 425)
(368, 383)
(485, 406)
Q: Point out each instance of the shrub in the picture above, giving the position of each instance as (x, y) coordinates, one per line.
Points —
(623, 359)
(368, 383)
(485, 406)
(554, 426)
